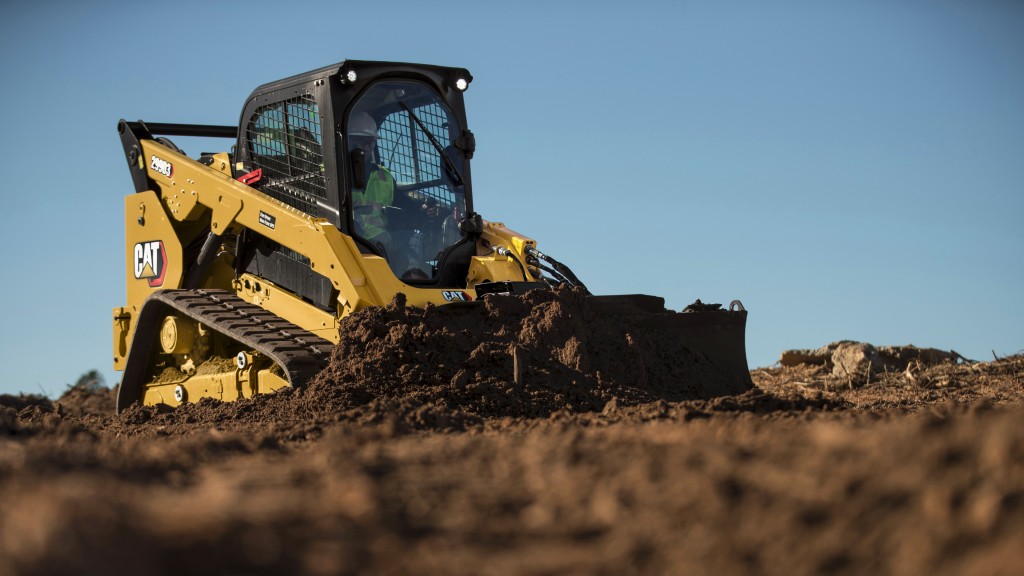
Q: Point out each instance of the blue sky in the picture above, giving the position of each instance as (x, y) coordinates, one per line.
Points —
(849, 170)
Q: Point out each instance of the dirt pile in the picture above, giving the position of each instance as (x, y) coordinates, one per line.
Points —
(803, 474)
(96, 401)
(423, 449)
(450, 367)
(523, 356)
(14, 408)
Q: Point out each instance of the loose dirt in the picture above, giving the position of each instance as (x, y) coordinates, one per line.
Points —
(463, 442)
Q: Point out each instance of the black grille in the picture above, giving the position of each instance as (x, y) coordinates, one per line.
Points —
(286, 142)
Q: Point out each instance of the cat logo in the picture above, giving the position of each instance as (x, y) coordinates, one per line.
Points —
(150, 262)
(456, 296)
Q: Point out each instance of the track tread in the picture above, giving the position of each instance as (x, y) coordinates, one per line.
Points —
(299, 352)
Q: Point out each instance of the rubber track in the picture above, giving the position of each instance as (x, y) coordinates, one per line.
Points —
(299, 352)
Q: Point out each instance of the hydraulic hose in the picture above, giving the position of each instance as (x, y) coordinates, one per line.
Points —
(197, 272)
(558, 278)
(563, 270)
(508, 254)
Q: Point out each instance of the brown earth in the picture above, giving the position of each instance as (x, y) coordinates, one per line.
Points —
(521, 438)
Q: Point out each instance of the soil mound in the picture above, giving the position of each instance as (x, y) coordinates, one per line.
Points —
(456, 366)
(82, 400)
(913, 473)
(521, 356)
(11, 406)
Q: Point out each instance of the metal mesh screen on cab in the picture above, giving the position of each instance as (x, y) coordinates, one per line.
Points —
(286, 142)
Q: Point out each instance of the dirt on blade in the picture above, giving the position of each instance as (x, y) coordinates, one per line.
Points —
(507, 356)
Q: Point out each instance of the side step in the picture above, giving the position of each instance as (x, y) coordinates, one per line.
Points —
(300, 353)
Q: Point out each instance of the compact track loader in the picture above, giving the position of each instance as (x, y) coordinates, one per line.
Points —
(345, 186)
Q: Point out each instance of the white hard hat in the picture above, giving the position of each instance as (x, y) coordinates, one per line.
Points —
(361, 124)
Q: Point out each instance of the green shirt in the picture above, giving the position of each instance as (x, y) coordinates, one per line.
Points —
(370, 219)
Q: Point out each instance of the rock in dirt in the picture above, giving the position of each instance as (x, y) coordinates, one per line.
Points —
(848, 359)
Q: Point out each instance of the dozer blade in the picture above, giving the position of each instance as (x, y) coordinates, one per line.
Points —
(708, 340)
(632, 340)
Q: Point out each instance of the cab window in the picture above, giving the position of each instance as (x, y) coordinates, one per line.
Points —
(407, 190)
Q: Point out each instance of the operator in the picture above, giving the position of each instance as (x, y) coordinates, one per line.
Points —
(371, 221)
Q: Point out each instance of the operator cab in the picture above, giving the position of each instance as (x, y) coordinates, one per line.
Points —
(380, 150)
(407, 188)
